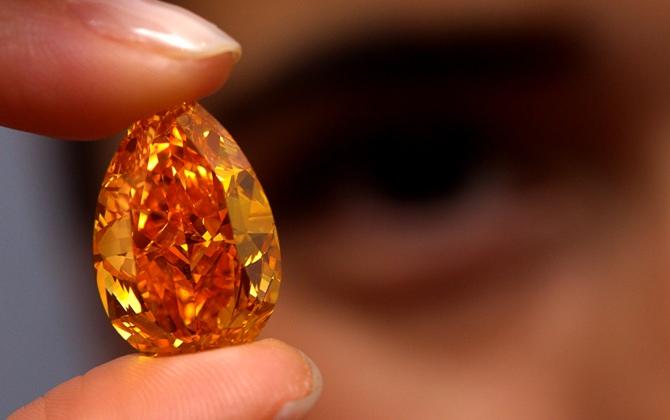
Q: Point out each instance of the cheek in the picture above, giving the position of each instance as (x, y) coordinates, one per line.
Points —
(583, 322)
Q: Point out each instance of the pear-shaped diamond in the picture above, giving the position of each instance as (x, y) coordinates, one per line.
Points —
(185, 246)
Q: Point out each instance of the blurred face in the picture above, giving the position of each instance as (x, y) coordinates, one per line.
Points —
(472, 200)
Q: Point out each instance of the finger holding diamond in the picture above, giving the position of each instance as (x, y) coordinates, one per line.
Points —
(266, 379)
(87, 68)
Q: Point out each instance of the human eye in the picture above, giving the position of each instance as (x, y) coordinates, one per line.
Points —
(411, 160)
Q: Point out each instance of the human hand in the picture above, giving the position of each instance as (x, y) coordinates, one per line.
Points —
(83, 69)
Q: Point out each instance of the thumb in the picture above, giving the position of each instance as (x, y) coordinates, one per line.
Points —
(262, 380)
(87, 68)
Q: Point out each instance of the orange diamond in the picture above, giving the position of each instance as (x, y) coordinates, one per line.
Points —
(185, 246)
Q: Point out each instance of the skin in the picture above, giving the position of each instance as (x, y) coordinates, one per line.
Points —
(74, 61)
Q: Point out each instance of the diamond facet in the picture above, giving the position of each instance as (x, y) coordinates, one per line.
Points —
(185, 246)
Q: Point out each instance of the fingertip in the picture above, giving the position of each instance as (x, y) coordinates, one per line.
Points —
(265, 379)
(299, 408)
(110, 109)
(90, 109)
(65, 80)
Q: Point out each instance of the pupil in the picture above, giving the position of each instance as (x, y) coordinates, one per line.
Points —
(417, 161)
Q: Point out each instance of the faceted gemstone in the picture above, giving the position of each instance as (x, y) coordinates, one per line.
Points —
(185, 246)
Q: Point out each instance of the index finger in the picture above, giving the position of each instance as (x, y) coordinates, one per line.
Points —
(87, 68)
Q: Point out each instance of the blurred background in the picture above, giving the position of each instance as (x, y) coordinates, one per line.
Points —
(472, 201)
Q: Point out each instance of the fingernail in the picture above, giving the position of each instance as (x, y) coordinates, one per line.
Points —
(161, 27)
(298, 409)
